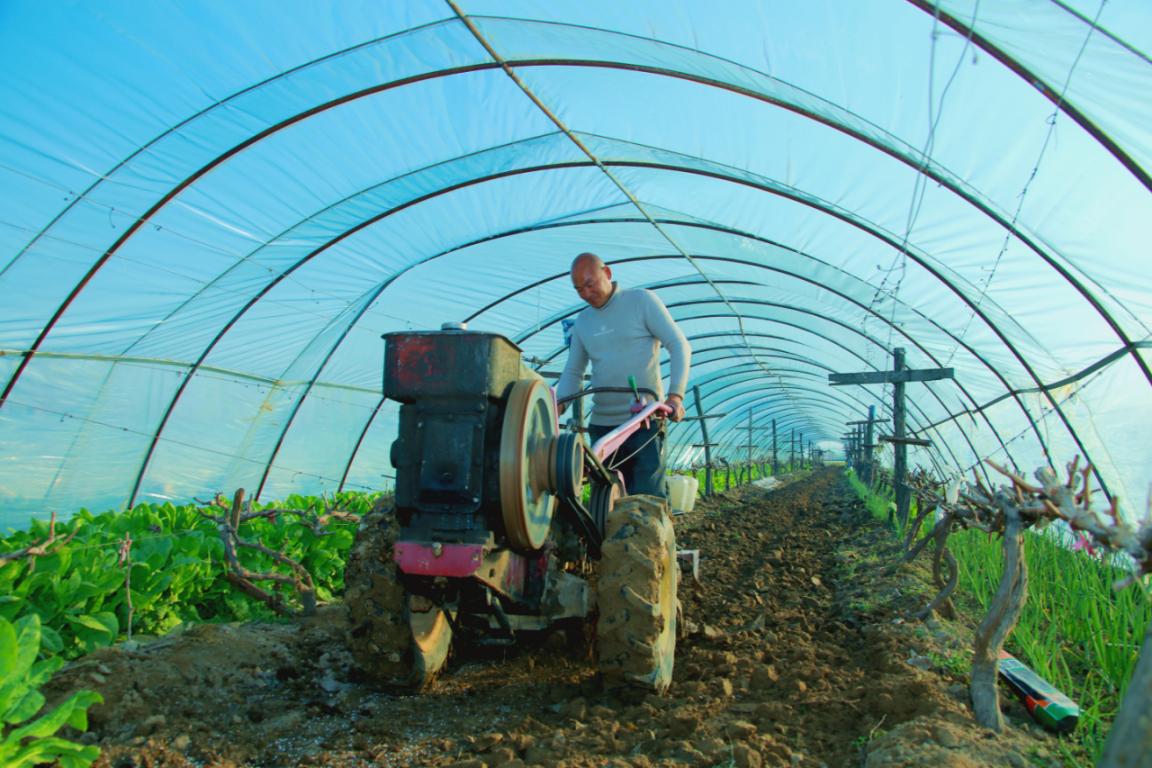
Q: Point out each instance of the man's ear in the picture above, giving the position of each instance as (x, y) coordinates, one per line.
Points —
(608, 271)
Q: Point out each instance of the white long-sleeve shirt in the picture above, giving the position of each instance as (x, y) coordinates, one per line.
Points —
(622, 339)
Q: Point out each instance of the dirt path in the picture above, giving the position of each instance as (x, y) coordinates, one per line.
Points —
(797, 657)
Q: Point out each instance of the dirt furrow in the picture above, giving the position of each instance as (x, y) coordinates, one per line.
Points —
(796, 655)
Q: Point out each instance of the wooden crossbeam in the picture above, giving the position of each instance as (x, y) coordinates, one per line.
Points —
(905, 440)
(891, 377)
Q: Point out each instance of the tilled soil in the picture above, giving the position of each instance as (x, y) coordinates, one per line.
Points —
(797, 655)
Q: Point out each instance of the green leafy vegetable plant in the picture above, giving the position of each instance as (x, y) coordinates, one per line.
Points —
(148, 569)
(28, 738)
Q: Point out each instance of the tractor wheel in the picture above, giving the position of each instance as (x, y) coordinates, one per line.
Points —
(392, 643)
(636, 630)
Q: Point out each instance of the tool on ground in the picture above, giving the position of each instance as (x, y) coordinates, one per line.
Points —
(1045, 703)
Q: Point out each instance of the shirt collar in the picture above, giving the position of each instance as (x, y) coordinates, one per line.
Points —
(611, 296)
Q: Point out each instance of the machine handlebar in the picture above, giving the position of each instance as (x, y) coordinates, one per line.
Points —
(612, 441)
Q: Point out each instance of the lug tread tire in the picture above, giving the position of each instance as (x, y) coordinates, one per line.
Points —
(639, 576)
(380, 636)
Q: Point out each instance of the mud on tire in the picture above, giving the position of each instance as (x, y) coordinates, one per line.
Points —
(636, 630)
(380, 635)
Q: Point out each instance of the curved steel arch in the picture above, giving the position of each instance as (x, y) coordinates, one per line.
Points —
(351, 458)
(187, 182)
(1058, 99)
(731, 370)
(790, 308)
(939, 445)
(803, 311)
(747, 379)
(734, 376)
(921, 168)
(901, 248)
(779, 353)
(105, 176)
(868, 309)
(360, 441)
(919, 165)
(919, 260)
(914, 404)
(31, 352)
(555, 166)
(746, 399)
(290, 270)
(735, 434)
(934, 459)
(253, 253)
(351, 324)
(867, 363)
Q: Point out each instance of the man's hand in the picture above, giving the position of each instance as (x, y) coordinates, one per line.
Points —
(676, 403)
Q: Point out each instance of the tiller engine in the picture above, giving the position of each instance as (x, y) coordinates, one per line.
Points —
(491, 533)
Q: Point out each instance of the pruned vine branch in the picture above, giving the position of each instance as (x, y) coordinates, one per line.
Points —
(1009, 510)
(228, 523)
(40, 549)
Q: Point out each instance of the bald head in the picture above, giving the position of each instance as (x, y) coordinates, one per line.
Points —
(592, 279)
(587, 260)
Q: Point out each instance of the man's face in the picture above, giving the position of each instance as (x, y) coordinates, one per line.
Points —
(593, 282)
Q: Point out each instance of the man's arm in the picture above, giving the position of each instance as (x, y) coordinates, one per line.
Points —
(572, 378)
(664, 328)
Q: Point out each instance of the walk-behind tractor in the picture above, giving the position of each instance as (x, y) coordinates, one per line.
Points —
(491, 534)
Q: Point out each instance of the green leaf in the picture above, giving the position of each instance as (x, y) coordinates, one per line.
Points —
(110, 622)
(96, 630)
(24, 707)
(11, 694)
(8, 651)
(64, 714)
(91, 622)
(57, 751)
(27, 643)
(50, 640)
(78, 719)
(155, 552)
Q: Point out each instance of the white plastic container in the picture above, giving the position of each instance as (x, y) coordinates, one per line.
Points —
(682, 493)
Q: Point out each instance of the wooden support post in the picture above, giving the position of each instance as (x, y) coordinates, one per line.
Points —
(900, 464)
(234, 513)
(1130, 740)
(792, 451)
(867, 446)
(749, 445)
(897, 377)
(775, 458)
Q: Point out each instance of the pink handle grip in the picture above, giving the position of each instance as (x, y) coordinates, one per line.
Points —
(612, 441)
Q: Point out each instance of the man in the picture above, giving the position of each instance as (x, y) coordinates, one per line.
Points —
(620, 332)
